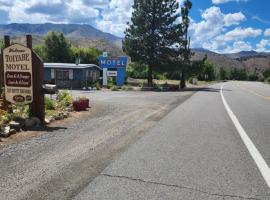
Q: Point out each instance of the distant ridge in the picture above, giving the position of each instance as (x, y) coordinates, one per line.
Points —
(251, 61)
(80, 35)
(75, 31)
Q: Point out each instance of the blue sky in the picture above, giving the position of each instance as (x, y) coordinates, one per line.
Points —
(224, 26)
(231, 25)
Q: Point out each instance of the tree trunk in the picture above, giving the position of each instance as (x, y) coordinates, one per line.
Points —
(150, 76)
(183, 80)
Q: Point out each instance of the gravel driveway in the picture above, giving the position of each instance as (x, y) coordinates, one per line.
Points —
(61, 162)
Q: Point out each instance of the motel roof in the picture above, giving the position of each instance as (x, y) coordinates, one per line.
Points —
(70, 66)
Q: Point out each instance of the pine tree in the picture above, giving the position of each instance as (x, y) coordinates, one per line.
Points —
(185, 51)
(153, 33)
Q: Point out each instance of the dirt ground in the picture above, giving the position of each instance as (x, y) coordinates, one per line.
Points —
(59, 161)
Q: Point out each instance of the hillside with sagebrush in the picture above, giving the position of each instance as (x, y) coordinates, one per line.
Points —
(78, 35)
(251, 61)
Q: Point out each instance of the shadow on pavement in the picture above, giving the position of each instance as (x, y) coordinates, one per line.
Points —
(46, 128)
(205, 89)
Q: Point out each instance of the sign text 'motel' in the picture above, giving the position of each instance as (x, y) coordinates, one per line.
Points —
(112, 62)
(113, 67)
(17, 60)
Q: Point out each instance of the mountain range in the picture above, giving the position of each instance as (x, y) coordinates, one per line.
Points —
(80, 35)
(251, 61)
(88, 36)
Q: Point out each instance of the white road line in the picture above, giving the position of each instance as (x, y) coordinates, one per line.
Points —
(257, 157)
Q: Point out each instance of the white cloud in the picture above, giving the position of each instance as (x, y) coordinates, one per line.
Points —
(262, 46)
(214, 24)
(226, 1)
(108, 15)
(115, 17)
(238, 46)
(239, 34)
(267, 32)
(234, 19)
(55, 11)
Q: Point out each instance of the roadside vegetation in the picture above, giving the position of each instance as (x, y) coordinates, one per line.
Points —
(1, 44)
(18, 117)
(58, 49)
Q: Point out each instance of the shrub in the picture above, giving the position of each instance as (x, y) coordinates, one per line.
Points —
(64, 98)
(127, 88)
(97, 86)
(253, 77)
(49, 104)
(2, 117)
(266, 73)
(114, 88)
(143, 84)
(267, 80)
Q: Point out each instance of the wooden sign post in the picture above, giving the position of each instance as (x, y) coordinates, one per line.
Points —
(5, 104)
(22, 77)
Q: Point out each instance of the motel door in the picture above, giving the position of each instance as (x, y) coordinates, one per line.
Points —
(62, 78)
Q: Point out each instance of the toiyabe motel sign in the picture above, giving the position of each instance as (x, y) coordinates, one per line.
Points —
(17, 60)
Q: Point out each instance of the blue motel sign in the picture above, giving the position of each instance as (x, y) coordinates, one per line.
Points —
(118, 64)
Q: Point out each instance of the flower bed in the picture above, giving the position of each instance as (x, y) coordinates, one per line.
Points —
(81, 104)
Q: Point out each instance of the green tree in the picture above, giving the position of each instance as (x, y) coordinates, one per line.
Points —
(40, 51)
(152, 33)
(86, 55)
(57, 48)
(185, 50)
(208, 71)
(137, 70)
(196, 67)
(238, 74)
(266, 73)
(222, 74)
(1, 44)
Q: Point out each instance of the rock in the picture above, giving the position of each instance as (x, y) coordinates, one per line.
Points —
(15, 125)
(29, 123)
(51, 118)
(5, 135)
(69, 109)
(66, 114)
(5, 132)
(12, 131)
(47, 121)
(36, 120)
(57, 117)
(6, 129)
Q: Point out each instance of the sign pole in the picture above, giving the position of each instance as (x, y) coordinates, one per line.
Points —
(37, 107)
(6, 104)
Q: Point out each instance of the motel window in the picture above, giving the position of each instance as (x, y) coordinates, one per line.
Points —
(62, 74)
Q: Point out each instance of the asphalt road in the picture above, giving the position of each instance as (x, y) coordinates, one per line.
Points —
(202, 150)
(59, 163)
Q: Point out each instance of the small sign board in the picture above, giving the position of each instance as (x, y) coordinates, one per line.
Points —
(111, 73)
(105, 54)
(18, 74)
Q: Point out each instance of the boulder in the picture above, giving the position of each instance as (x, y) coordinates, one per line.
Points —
(66, 114)
(12, 131)
(36, 120)
(47, 121)
(15, 125)
(29, 123)
(5, 132)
